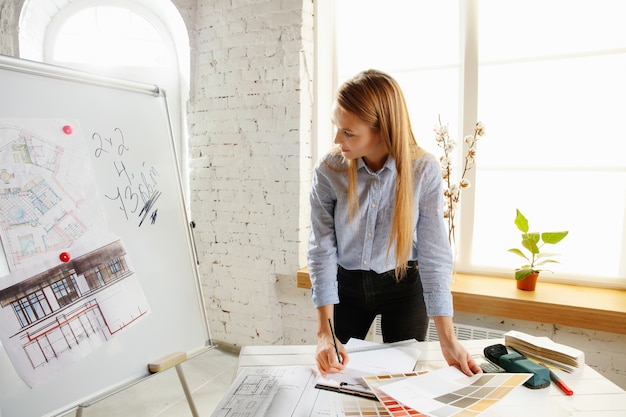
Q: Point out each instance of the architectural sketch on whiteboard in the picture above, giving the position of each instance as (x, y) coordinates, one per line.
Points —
(58, 316)
(47, 196)
(71, 286)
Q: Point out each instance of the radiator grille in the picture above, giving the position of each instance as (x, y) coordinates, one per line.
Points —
(462, 332)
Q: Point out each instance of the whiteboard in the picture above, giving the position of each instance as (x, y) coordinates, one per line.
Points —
(125, 140)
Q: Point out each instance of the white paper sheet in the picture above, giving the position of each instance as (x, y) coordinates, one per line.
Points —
(369, 358)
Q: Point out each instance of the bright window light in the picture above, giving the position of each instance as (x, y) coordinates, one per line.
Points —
(552, 95)
(397, 36)
(109, 36)
(554, 99)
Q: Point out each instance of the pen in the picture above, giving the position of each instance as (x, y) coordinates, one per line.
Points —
(559, 382)
(334, 340)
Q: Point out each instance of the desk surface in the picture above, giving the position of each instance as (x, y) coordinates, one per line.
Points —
(594, 395)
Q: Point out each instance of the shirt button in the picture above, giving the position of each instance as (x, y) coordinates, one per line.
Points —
(364, 262)
(373, 205)
(369, 234)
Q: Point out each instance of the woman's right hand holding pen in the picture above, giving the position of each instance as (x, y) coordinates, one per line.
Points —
(326, 356)
(330, 355)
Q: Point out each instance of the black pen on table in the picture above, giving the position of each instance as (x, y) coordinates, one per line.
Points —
(332, 331)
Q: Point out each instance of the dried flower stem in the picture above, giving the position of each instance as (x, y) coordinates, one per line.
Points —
(452, 192)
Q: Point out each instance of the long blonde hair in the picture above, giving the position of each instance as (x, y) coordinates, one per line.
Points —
(376, 98)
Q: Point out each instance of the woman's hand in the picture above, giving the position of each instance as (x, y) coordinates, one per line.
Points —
(456, 355)
(453, 351)
(326, 356)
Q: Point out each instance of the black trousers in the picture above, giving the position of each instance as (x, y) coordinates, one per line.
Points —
(365, 294)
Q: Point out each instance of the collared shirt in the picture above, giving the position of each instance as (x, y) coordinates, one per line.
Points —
(362, 243)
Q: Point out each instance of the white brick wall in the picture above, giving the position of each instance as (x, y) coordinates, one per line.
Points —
(250, 122)
(8, 25)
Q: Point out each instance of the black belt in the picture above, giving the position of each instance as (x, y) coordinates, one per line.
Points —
(410, 264)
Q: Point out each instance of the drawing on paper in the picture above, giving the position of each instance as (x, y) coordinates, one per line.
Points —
(71, 286)
(47, 197)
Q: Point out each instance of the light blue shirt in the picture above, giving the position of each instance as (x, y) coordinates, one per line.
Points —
(362, 243)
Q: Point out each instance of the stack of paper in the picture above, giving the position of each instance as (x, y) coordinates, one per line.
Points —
(545, 350)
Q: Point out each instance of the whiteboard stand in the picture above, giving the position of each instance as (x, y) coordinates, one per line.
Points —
(181, 378)
(183, 382)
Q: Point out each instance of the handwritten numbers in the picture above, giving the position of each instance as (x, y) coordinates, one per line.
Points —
(121, 148)
(101, 144)
(134, 189)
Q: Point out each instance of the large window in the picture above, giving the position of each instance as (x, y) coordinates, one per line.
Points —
(546, 78)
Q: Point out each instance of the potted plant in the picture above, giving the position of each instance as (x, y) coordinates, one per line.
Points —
(526, 276)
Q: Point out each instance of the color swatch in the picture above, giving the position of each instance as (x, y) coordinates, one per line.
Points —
(442, 393)
(353, 406)
(393, 407)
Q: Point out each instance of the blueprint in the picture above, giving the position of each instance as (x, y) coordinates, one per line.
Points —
(286, 391)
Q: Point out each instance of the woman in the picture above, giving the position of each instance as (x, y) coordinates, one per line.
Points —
(378, 242)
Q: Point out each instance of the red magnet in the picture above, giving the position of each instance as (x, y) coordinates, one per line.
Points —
(67, 129)
(64, 257)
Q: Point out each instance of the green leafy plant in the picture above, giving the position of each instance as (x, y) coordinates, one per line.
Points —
(533, 242)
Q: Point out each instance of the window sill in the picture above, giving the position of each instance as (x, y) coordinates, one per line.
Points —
(568, 305)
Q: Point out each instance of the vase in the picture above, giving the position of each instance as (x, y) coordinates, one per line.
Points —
(528, 283)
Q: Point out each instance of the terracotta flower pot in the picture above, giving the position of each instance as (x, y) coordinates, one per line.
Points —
(528, 283)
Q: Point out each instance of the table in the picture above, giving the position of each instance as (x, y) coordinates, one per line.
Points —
(594, 395)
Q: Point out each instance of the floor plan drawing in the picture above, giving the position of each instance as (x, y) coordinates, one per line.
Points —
(47, 200)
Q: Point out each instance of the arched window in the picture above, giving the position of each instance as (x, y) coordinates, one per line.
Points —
(106, 37)
(136, 40)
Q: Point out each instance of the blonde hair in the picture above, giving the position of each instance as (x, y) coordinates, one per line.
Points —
(376, 98)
